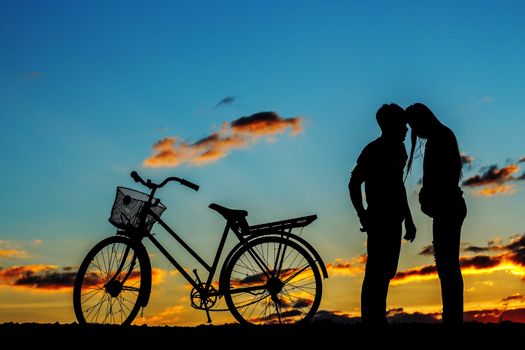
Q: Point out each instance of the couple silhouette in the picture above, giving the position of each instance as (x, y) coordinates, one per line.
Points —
(381, 167)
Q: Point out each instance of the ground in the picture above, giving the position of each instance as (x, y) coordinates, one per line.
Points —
(322, 335)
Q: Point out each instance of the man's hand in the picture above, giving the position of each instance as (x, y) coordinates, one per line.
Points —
(363, 219)
(410, 230)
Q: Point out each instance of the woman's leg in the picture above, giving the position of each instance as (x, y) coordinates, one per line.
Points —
(447, 234)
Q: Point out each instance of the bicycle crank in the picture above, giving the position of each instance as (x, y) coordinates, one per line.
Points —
(202, 299)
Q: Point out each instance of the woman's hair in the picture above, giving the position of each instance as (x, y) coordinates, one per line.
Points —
(413, 141)
(421, 115)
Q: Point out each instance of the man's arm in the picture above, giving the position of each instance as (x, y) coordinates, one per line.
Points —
(354, 187)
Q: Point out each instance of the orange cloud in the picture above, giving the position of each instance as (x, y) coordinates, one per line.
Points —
(240, 133)
(347, 268)
(266, 123)
(48, 277)
(496, 190)
(158, 276)
(51, 277)
(513, 297)
(170, 315)
(494, 181)
(429, 272)
(512, 259)
(13, 253)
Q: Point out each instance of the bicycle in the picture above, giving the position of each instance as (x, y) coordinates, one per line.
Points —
(271, 276)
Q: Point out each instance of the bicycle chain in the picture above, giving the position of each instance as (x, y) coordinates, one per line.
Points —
(239, 307)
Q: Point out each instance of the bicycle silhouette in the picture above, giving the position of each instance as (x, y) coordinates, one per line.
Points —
(270, 277)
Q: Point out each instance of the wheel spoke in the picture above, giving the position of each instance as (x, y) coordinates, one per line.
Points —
(288, 295)
(109, 269)
(130, 289)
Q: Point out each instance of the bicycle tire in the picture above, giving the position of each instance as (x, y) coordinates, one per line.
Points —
(95, 291)
(293, 287)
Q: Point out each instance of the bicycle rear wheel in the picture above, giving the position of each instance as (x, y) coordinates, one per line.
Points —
(111, 282)
(272, 280)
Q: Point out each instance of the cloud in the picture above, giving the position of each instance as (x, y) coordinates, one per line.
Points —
(240, 133)
(417, 273)
(485, 100)
(15, 249)
(228, 100)
(514, 315)
(48, 280)
(51, 277)
(427, 250)
(484, 316)
(514, 297)
(466, 160)
(493, 175)
(495, 315)
(347, 268)
(301, 303)
(158, 276)
(48, 277)
(31, 75)
(494, 180)
(261, 278)
(266, 123)
(496, 190)
(13, 253)
(511, 258)
(169, 315)
(283, 316)
(398, 315)
(336, 316)
(475, 249)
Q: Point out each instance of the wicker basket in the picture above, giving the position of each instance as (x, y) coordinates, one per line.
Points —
(125, 213)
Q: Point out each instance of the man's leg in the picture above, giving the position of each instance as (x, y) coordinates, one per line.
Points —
(383, 247)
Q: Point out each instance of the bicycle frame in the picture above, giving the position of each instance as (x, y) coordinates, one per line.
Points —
(211, 269)
(146, 210)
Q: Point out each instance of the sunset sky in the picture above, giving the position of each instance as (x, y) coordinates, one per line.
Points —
(266, 105)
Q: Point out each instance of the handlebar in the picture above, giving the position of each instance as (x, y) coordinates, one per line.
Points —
(136, 177)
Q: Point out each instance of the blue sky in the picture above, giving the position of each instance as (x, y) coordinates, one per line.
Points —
(86, 89)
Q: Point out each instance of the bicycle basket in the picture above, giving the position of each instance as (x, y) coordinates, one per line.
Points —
(127, 207)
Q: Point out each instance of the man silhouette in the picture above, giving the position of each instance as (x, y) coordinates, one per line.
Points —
(380, 166)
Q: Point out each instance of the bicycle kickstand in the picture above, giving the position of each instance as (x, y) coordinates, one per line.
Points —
(203, 299)
(208, 313)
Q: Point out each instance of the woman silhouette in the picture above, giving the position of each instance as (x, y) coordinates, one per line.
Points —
(441, 198)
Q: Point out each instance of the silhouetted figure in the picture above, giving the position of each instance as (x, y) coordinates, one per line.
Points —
(380, 166)
(441, 198)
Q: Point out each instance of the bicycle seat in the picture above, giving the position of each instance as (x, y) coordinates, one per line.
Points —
(228, 213)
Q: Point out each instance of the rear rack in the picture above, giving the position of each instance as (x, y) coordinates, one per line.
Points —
(287, 224)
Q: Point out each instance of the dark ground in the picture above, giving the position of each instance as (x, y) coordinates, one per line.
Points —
(321, 335)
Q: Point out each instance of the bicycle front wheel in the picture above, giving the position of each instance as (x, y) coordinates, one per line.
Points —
(111, 282)
(272, 280)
